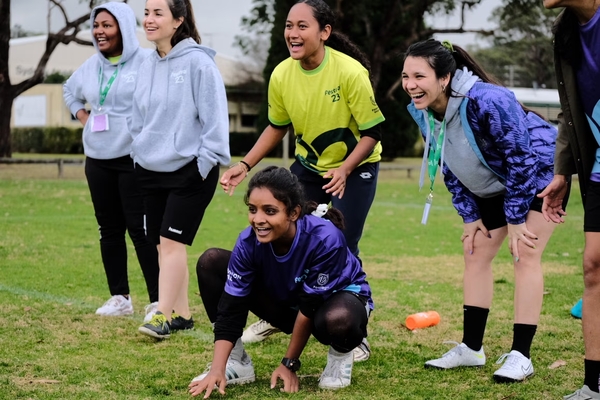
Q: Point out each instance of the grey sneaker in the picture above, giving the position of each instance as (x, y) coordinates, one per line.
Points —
(585, 393)
(258, 331)
(516, 368)
(362, 352)
(459, 356)
(235, 372)
(338, 371)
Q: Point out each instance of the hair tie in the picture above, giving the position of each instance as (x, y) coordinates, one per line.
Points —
(448, 45)
(320, 211)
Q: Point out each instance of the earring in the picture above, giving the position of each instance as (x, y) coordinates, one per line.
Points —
(443, 88)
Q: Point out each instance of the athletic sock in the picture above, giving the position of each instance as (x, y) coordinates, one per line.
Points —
(522, 337)
(592, 374)
(474, 321)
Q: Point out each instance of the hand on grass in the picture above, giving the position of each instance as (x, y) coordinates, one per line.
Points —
(289, 378)
(212, 381)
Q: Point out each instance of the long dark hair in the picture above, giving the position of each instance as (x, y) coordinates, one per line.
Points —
(337, 40)
(286, 188)
(446, 58)
(187, 29)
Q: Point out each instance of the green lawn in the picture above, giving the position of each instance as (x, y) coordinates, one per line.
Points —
(52, 346)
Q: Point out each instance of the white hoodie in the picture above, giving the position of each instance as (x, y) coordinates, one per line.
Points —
(84, 86)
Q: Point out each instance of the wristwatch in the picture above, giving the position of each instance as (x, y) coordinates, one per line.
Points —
(293, 364)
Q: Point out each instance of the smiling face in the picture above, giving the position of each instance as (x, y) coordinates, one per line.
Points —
(423, 86)
(304, 38)
(107, 34)
(271, 221)
(159, 24)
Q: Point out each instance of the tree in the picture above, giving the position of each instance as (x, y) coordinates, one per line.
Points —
(522, 53)
(8, 91)
(383, 29)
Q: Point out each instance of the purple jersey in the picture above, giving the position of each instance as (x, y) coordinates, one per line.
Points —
(318, 263)
(589, 89)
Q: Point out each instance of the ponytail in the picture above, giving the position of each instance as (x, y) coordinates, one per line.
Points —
(187, 29)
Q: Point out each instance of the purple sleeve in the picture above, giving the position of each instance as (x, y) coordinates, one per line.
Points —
(240, 271)
(462, 198)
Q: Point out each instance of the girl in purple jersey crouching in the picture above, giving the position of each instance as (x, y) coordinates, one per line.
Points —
(293, 269)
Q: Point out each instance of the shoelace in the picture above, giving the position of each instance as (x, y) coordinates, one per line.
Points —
(334, 369)
(158, 320)
(456, 349)
(261, 326)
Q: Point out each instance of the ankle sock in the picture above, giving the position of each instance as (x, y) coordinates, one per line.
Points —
(522, 337)
(592, 374)
(474, 321)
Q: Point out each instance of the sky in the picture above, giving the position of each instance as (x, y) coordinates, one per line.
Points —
(219, 20)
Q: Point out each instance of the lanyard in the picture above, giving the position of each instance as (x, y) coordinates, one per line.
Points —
(104, 92)
(433, 158)
(433, 161)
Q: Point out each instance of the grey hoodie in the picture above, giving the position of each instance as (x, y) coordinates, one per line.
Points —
(84, 86)
(457, 153)
(180, 111)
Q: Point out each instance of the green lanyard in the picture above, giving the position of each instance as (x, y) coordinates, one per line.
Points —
(104, 92)
(433, 158)
(433, 161)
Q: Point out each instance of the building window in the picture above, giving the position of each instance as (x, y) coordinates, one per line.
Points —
(249, 121)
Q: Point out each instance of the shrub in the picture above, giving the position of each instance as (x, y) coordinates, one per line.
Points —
(44, 140)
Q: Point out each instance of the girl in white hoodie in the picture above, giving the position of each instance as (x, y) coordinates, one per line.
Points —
(180, 137)
(106, 82)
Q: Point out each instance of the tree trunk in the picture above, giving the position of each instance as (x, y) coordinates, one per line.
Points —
(6, 102)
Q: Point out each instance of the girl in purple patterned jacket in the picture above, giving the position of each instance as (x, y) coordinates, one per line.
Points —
(496, 157)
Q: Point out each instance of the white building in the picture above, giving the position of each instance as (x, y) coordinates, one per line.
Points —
(43, 105)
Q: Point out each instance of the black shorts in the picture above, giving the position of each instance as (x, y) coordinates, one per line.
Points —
(175, 201)
(591, 216)
(492, 209)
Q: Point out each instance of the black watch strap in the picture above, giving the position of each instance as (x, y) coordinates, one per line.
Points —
(293, 364)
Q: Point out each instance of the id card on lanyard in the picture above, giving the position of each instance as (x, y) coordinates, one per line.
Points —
(433, 161)
(100, 119)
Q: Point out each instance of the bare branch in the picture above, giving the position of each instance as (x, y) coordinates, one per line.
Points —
(61, 8)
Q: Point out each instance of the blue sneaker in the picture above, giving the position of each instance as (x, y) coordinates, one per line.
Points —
(576, 310)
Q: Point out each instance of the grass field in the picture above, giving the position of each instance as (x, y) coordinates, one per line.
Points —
(52, 346)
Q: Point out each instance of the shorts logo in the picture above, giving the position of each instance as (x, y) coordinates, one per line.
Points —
(177, 231)
(365, 175)
(322, 279)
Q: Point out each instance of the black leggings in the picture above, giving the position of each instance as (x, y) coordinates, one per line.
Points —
(340, 322)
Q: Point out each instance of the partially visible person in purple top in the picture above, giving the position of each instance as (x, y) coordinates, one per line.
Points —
(291, 267)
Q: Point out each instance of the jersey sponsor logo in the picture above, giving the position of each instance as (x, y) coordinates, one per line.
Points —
(177, 231)
(301, 278)
(322, 279)
(334, 93)
(179, 75)
(232, 275)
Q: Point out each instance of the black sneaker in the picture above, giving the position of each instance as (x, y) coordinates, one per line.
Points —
(178, 323)
(158, 327)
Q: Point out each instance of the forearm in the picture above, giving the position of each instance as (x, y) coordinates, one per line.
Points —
(267, 141)
(361, 151)
(221, 354)
(300, 335)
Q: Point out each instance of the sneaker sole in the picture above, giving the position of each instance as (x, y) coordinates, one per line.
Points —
(241, 381)
(460, 366)
(506, 379)
(121, 314)
(155, 335)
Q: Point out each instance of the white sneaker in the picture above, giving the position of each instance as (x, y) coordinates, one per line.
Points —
(116, 306)
(258, 331)
(338, 371)
(236, 373)
(150, 310)
(585, 393)
(459, 356)
(362, 352)
(516, 368)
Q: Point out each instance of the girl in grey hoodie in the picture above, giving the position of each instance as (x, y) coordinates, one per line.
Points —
(180, 131)
(106, 82)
